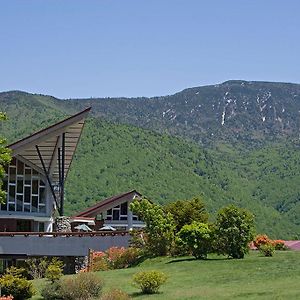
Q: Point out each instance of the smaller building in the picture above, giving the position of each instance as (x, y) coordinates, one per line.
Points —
(113, 211)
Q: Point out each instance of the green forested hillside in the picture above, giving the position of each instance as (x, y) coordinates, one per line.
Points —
(113, 158)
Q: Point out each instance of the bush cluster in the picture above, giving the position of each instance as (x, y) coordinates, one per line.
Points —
(83, 286)
(268, 246)
(13, 283)
(115, 258)
(6, 298)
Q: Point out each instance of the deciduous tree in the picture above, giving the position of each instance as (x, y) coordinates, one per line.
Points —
(234, 231)
(4, 159)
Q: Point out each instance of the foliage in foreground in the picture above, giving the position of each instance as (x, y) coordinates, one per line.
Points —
(4, 159)
(83, 286)
(160, 226)
(13, 283)
(149, 281)
(234, 231)
(197, 237)
(187, 211)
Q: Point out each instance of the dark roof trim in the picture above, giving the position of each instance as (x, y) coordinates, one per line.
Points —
(104, 202)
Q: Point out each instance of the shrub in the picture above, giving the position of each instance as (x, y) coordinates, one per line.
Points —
(52, 291)
(197, 238)
(267, 249)
(115, 294)
(6, 298)
(12, 283)
(149, 281)
(54, 270)
(37, 267)
(82, 286)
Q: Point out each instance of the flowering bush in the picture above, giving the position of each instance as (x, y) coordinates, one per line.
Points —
(260, 240)
(7, 298)
(263, 239)
(115, 258)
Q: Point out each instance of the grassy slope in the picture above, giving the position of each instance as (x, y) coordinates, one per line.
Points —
(254, 277)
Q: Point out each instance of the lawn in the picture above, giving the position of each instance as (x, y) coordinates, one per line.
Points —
(255, 277)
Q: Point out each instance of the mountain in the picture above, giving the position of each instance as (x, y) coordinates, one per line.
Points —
(254, 165)
(249, 112)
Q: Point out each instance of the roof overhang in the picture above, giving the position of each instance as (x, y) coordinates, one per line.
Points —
(108, 204)
(48, 141)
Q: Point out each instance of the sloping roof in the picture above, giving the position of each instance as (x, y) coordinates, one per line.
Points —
(48, 140)
(97, 207)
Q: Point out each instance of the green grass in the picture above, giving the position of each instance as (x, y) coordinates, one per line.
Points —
(255, 277)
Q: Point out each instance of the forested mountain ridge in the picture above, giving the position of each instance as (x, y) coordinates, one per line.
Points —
(113, 158)
(232, 111)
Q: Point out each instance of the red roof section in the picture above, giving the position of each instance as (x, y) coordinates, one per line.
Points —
(105, 202)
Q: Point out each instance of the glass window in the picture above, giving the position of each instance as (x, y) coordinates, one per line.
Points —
(35, 185)
(28, 176)
(27, 197)
(27, 207)
(12, 175)
(20, 185)
(116, 214)
(20, 167)
(19, 202)
(124, 208)
(11, 207)
(109, 212)
(42, 195)
(34, 204)
(11, 193)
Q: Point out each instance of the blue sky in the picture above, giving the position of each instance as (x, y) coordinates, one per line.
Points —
(145, 48)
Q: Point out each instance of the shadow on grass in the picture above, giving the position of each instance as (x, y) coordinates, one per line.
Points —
(139, 294)
(193, 259)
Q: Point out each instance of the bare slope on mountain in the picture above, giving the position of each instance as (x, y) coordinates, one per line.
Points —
(234, 110)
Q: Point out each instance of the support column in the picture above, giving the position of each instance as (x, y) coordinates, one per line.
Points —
(129, 218)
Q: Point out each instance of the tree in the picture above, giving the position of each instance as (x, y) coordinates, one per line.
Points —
(234, 231)
(187, 211)
(4, 159)
(159, 228)
(197, 237)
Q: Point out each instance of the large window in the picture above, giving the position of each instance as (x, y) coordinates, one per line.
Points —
(119, 213)
(25, 188)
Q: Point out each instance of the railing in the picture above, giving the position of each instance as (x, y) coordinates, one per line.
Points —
(60, 243)
(65, 234)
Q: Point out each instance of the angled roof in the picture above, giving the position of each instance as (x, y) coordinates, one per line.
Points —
(108, 202)
(48, 141)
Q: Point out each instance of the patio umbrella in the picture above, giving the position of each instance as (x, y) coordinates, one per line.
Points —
(83, 227)
(107, 227)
